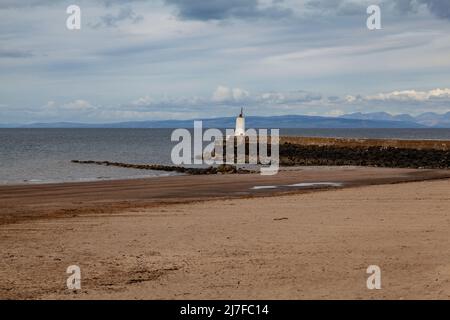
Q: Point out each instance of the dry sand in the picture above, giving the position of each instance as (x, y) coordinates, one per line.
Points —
(288, 246)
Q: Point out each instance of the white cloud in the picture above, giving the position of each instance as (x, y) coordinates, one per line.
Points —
(221, 94)
(75, 107)
(50, 105)
(335, 113)
(239, 94)
(144, 101)
(350, 98)
(80, 105)
(288, 97)
(226, 94)
(412, 95)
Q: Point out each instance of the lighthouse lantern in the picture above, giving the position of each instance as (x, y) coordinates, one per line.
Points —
(240, 124)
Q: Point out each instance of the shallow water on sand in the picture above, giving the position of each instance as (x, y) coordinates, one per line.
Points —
(301, 185)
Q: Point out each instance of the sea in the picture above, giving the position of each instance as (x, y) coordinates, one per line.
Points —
(44, 155)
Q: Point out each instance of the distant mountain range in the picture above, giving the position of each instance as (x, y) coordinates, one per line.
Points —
(353, 120)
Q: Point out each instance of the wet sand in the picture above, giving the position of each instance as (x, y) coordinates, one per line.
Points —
(158, 239)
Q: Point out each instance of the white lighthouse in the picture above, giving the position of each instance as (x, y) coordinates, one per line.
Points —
(240, 125)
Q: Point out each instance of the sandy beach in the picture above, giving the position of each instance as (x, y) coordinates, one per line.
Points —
(218, 237)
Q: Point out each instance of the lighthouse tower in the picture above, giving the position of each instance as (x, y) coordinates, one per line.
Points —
(240, 125)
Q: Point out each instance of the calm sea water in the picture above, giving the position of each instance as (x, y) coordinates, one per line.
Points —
(44, 155)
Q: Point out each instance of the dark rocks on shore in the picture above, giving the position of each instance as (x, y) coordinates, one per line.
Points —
(377, 156)
(221, 169)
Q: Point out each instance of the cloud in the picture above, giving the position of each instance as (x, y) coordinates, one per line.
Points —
(412, 95)
(299, 101)
(292, 97)
(335, 113)
(226, 100)
(8, 53)
(412, 102)
(225, 97)
(53, 111)
(78, 105)
(405, 6)
(112, 21)
(225, 94)
(144, 101)
(338, 7)
(224, 9)
(440, 8)
(7, 4)
(12, 4)
(81, 105)
(119, 2)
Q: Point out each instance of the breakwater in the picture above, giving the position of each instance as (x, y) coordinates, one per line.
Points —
(221, 169)
(304, 151)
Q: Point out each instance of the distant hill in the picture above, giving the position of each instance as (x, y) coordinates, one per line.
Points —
(288, 121)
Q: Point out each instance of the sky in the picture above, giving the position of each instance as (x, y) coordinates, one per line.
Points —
(180, 59)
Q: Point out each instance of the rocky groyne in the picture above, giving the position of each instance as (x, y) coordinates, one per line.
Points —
(221, 169)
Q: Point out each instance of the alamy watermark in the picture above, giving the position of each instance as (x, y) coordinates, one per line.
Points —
(74, 280)
(73, 22)
(254, 147)
(374, 280)
(374, 20)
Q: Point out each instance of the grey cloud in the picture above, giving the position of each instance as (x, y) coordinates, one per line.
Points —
(21, 4)
(440, 8)
(109, 3)
(5, 53)
(339, 7)
(14, 4)
(403, 6)
(124, 14)
(34, 3)
(223, 9)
